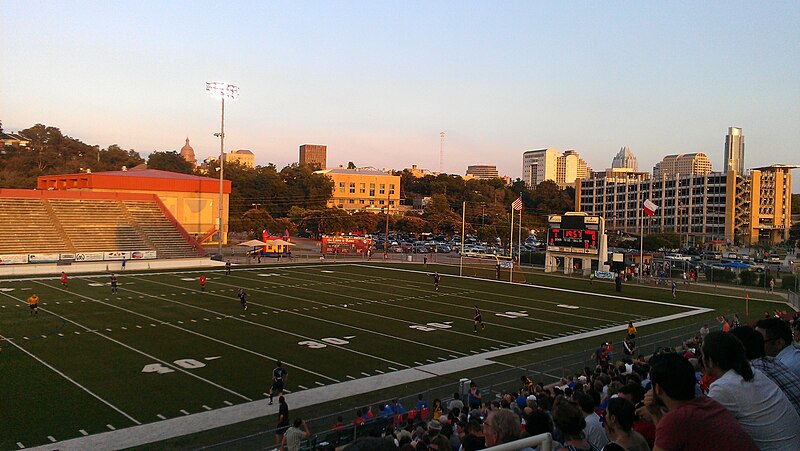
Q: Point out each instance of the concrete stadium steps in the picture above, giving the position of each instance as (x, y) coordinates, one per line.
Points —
(27, 227)
(97, 225)
(169, 242)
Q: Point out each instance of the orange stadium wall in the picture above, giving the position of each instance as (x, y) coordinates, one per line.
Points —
(191, 200)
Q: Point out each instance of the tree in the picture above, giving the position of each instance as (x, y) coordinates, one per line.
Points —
(169, 161)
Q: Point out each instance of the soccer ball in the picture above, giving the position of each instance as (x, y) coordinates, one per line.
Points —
(345, 306)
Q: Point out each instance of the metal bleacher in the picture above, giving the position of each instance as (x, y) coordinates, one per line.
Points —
(59, 225)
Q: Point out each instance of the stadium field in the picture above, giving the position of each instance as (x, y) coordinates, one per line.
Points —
(92, 361)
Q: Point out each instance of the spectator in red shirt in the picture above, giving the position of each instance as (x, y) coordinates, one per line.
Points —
(686, 422)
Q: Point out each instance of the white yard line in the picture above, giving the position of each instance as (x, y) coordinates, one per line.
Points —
(176, 427)
(72, 381)
(139, 351)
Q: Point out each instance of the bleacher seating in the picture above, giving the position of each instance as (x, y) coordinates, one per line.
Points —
(57, 225)
(159, 230)
(28, 228)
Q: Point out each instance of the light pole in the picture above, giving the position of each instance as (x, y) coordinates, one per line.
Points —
(221, 90)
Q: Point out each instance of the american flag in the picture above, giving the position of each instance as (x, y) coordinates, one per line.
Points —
(517, 204)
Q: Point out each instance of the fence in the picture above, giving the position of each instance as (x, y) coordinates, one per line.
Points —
(492, 385)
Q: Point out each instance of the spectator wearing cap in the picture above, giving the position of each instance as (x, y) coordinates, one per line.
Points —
(593, 431)
(774, 369)
(762, 409)
(778, 342)
(436, 440)
(501, 426)
(688, 422)
(618, 423)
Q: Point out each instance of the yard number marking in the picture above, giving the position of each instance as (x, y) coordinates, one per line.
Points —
(311, 344)
(430, 327)
(513, 315)
(188, 364)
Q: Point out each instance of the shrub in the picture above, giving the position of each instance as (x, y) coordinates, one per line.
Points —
(748, 278)
(720, 275)
(789, 282)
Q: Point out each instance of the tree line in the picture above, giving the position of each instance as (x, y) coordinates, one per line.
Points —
(295, 198)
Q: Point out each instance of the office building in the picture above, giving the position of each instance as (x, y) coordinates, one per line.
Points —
(483, 171)
(625, 160)
(713, 206)
(314, 155)
(683, 164)
(364, 189)
(550, 164)
(243, 157)
(734, 150)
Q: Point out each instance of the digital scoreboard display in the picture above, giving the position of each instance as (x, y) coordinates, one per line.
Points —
(578, 234)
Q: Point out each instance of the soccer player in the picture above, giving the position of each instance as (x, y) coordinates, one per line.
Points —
(63, 279)
(33, 301)
(203, 282)
(436, 279)
(228, 267)
(243, 298)
(674, 289)
(477, 319)
(278, 379)
(113, 283)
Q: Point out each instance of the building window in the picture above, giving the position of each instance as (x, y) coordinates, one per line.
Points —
(372, 189)
(381, 202)
(341, 187)
(361, 188)
(383, 189)
(391, 202)
(361, 201)
(391, 188)
(352, 187)
(351, 201)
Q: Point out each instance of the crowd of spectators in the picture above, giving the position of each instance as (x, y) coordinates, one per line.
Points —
(733, 388)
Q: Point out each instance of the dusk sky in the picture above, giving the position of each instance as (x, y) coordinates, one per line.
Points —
(377, 81)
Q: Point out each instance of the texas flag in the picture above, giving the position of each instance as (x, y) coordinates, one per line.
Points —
(650, 208)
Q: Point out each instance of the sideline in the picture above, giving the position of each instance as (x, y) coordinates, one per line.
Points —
(180, 426)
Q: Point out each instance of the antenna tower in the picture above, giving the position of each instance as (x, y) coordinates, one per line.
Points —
(441, 152)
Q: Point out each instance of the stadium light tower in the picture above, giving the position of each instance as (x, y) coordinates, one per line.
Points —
(221, 90)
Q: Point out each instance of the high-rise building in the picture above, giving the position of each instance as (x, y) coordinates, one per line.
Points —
(550, 164)
(625, 160)
(684, 164)
(314, 155)
(483, 171)
(734, 150)
(714, 206)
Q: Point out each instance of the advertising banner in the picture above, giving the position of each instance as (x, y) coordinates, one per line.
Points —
(66, 257)
(13, 259)
(116, 255)
(604, 275)
(42, 258)
(89, 257)
(143, 255)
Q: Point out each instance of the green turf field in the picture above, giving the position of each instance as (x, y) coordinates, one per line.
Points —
(93, 361)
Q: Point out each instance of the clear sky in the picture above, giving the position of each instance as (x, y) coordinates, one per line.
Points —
(376, 81)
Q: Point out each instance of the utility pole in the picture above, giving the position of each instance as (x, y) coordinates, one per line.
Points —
(441, 152)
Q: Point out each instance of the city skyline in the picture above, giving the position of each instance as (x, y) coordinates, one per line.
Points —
(377, 83)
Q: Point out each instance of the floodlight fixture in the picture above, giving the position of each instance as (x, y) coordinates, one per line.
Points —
(222, 90)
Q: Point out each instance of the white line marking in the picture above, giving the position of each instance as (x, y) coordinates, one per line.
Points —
(111, 427)
(379, 371)
(75, 383)
(228, 403)
(161, 416)
(184, 412)
(319, 383)
(84, 433)
(350, 377)
(51, 438)
(366, 374)
(21, 446)
(302, 387)
(206, 407)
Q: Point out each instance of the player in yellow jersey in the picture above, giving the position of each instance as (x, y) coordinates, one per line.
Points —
(33, 301)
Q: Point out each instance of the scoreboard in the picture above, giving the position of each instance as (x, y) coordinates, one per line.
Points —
(574, 234)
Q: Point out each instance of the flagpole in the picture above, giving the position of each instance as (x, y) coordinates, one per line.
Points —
(511, 248)
(519, 233)
(463, 227)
